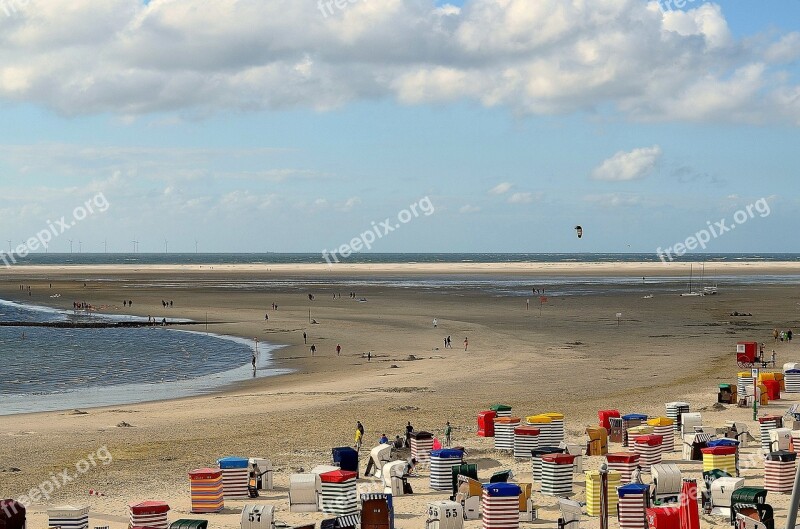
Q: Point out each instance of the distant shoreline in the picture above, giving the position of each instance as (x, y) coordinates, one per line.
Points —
(522, 268)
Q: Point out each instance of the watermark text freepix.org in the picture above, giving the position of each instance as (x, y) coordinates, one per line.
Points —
(326, 6)
(668, 5)
(378, 230)
(56, 481)
(96, 204)
(714, 230)
(9, 7)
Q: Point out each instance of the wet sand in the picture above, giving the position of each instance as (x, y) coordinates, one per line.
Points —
(572, 358)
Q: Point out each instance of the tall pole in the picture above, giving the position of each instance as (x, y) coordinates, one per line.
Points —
(794, 503)
(604, 496)
(754, 373)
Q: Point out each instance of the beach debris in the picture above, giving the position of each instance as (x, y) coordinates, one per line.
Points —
(411, 358)
(737, 313)
(11, 469)
(78, 412)
(394, 366)
(402, 390)
(124, 424)
(93, 492)
(714, 407)
(314, 322)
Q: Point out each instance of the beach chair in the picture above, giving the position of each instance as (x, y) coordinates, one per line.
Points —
(615, 429)
(689, 421)
(666, 482)
(793, 413)
(597, 443)
(570, 514)
(393, 478)
(503, 476)
(469, 496)
(738, 431)
(722, 490)
(378, 456)
(304, 492)
(253, 517)
(577, 451)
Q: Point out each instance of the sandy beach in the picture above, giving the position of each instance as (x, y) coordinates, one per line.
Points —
(573, 357)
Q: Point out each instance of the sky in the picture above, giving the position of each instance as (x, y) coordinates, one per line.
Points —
(294, 125)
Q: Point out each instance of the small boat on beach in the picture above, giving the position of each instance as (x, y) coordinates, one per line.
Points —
(691, 293)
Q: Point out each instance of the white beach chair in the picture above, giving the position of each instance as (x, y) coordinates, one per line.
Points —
(570, 514)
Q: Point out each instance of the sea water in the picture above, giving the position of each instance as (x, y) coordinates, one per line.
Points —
(47, 368)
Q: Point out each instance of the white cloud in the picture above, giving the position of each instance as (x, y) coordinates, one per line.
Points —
(128, 58)
(500, 188)
(523, 198)
(349, 204)
(632, 165)
(468, 208)
(613, 200)
(785, 50)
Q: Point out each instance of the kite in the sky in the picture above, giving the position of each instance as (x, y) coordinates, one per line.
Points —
(579, 230)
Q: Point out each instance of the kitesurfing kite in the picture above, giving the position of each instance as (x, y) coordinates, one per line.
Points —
(579, 230)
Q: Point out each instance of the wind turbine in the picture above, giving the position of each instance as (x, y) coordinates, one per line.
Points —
(80, 246)
(9, 246)
(195, 246)
(135, 244)
(70, 246)
(166, 246)
(105, 245)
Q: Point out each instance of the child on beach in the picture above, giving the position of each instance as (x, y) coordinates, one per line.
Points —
(448, 431)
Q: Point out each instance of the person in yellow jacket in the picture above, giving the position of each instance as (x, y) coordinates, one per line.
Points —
(359, 436)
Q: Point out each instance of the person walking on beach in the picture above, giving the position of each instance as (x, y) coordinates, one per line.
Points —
(775, 334)
(449, 345)
(313, 349)
(774, 359)
(435, 323)
(338, 349)
(369, 356)
(254, 361)
(409, 431)
(305, 338)
(466, 343)
(266, 317)
(448, 431)
(359, 435)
